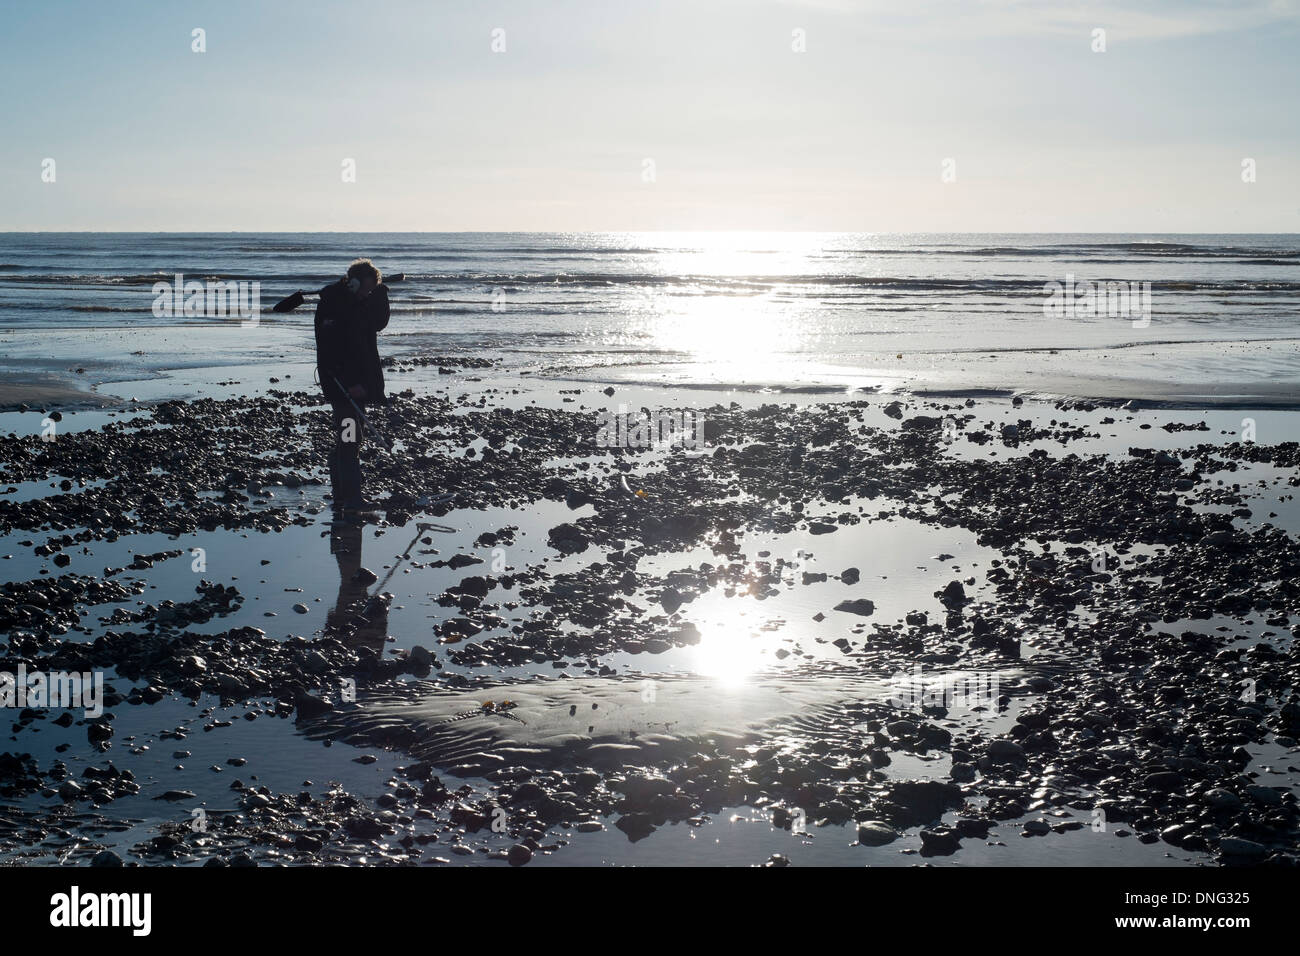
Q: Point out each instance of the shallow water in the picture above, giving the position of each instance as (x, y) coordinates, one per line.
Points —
(742, 836)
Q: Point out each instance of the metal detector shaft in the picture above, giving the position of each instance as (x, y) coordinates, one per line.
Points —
(365, 422)
(420, 528)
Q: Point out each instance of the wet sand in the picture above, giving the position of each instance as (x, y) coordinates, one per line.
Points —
(26, 394)
(1122, 578)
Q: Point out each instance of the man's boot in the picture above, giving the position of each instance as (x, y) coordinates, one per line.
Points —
(350, 485)
(336, 488)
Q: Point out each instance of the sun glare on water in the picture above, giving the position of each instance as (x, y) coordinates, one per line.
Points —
(731, 649)
(726, 330)
(729, 312)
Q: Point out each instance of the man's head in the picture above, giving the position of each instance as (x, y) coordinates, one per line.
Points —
(364, 271)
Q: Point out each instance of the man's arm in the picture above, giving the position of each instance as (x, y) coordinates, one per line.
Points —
(331, 351)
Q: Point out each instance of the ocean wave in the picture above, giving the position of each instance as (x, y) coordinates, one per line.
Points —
(102, 279)
(109, 308)
(1143, 251)
(556, 290)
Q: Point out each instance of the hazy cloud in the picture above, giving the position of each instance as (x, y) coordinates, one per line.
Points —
(1132, 19)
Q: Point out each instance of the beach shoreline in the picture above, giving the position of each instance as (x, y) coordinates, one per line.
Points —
(1191, 376)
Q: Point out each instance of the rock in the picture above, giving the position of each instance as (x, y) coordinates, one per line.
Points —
(363, 827)
(922, 423)
(952, 596)
(1220, 799)
(939, 843)
(174, 795)
(475, 584)
(1289, 713)
(860, 606)
(519, 855)
(1005, 751)
(99, 731)
(850, 575)
(1242, 849)
(973, 828)
(231, 686)
(106, 858)
(192, 665)
(918, 802)
(876, 833)
(574, 499)
(461, 626)
(637, 826)
(1265, 796)
(568, 539)
(1164, 780)
(70, 790)
(962, 773)
(309, 706)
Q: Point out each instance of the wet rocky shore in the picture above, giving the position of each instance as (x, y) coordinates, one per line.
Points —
(1137, 603)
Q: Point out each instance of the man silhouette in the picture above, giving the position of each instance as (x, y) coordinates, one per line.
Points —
(348, 316)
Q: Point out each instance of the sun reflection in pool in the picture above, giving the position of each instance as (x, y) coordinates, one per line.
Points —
(731, 648)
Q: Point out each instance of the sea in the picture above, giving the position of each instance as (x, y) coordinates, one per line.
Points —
(833, 310)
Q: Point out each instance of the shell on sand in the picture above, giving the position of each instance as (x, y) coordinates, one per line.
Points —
(598, 721)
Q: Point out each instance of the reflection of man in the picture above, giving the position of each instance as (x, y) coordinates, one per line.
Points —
(356, 618)
(349, 314)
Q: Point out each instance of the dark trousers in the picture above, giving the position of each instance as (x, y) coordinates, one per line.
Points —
(344, 460)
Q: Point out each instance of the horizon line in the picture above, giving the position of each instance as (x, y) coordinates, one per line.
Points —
(614, 232)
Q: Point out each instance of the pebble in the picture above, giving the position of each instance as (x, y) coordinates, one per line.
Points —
(520, 854)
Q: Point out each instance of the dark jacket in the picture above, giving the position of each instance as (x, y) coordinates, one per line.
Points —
(345, 341)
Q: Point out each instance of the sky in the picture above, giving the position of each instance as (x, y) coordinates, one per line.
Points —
(907, 116)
